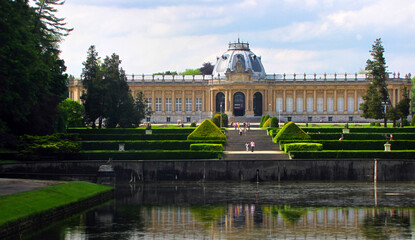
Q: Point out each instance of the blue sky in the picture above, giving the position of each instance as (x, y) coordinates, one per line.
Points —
(301, 36)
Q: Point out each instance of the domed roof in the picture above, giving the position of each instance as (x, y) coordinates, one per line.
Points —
(239, 51)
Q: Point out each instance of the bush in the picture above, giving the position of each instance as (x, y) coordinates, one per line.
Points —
(372, 124)
(266, 123)
(131, 130)
(206, 147)
(274, 122)
(263, 119)
(107, 137)
(360, 154)
(193, 124)
(207, 131)
(303, 147)
(216, 120)
(143, 155)
(361, 136)
(377, 124)
(145, 145)
(291, 131)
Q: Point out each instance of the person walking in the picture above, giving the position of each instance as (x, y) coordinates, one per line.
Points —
(247, 146)
(252, 145)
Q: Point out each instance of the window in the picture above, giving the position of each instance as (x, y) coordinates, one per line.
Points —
(309, 119)
(350, 104)
(329, 104)
(299, 107)
(289, 104)
(178, 104)
(330, 119)
(320, 104)
(168, 105)
(188, 119)
(168, 118)
(359, 101)
(350, 119)
(198, 104)
(278, 104)
(188, 104)
(340, 101)
(148, 119)
(158, 104)
(289, 119)
(148, 103)
(310, 104)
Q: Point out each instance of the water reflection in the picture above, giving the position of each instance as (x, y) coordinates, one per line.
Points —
(247, 211)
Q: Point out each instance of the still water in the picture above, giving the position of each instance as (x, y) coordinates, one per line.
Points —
(247, 211)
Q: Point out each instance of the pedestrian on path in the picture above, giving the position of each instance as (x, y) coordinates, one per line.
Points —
(252, 145)
(240, 131)
(247, 146)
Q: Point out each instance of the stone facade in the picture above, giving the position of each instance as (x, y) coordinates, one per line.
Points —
(245, 93)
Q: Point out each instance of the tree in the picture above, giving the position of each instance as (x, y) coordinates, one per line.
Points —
(31, 72)
(413, 94)
(377, 95)
(70, 114)
(207, 69)
(404, 105)
(191, 72)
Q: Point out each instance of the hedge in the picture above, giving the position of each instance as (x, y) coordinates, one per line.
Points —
(143, 155)
(290, 131)
(358, 144)
(98, 137)
(361, 136)
(144, 145)
(206, 147)
(359, 130)
(183, 130)
(207, 130)
(361, 154)
(267, 123)
(303, 147)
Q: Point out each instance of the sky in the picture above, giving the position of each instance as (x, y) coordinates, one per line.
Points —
(291, 36)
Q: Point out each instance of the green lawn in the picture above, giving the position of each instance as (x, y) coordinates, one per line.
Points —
(13, 207)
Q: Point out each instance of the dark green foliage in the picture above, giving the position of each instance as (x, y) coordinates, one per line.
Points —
(359, 154)
(157, 131)
(291, 131)
(368, 130)
(207, 131)
(216, 119)
(107, 137)
(206, 147)
(33, 147)
(303, 147)
(361, 136)
(263, 120)
(143, 155)
(404, 105)
(31, 73)
(413, 121)
(377, 91)
(145, 144)
(193, 124)
(70, 114)
(377, 124)
(274, 122)
(207, 69)
(372, 124)
(358, 144)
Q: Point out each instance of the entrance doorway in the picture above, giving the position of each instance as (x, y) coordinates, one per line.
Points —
(239, 104)
(257, 104)
(220, 99)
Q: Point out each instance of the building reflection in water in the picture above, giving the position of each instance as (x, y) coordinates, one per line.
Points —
(283, 222)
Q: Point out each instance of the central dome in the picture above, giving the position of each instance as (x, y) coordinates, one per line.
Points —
(239, 51)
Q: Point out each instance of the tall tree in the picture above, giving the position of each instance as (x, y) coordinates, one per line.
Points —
(376, 98)
(206, 69)
(404, 105)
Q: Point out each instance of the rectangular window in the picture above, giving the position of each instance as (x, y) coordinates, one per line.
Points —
(148, 119)
(289, 119)
(148, 103)
(278, 104)
(168, 105)
(310, 104)
(198, 104)
(188, 104)
(299, 107)
(188, 119)
(320, 105)
(350, 119)
(329, 104)
(359, 101)
(158, 104)
(178, 104)
(350, 104)
(310, 119)
(340, 107)
(168, 118)
(330, 119)
(289, 104)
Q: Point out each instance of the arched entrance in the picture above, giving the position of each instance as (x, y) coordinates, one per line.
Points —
(239, 104)
(257, 104)
(220, 99)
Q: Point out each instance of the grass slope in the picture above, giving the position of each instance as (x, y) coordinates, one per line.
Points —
(13, 207)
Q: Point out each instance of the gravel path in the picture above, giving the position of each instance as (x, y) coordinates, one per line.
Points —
(12, 186)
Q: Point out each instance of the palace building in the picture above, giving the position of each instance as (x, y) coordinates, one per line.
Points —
(240, 87)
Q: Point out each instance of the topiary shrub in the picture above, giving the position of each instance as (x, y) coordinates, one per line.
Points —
(266, 123)
(291, 131)
(377, 124)
(206, 147)
(303, 147)
(274, 122)
(216, 120)
(413, 121)
(207, 131)
(263, 120)
(193, 124)
(372, 124)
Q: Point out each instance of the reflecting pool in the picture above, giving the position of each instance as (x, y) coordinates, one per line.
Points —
(247, 211)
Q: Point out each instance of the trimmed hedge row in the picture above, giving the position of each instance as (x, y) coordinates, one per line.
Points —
(143, 155)
(107, 137)
(361, 136)
(358, 144)
(303, 147)
(144, 145)
(206, 147)
(187, 130)
(359, 130)
(371, 154)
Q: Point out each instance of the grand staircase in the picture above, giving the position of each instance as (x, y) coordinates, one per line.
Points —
(265, 148)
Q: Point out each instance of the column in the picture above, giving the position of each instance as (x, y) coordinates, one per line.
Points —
(153, 100)
(345, 101)
(305, 101)
(335, 101)
(294, 101)
(325, 101)
(315, 101)
(226, 100)
(356, 105)
(183, 102)
(193, 101)
(211, 102)
(173, 102)
(163, 101)
(284, 109)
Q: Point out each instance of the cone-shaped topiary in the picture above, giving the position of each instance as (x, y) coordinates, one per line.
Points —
(291, 131)
(207, 131)
(274, 122)
(266, 123)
